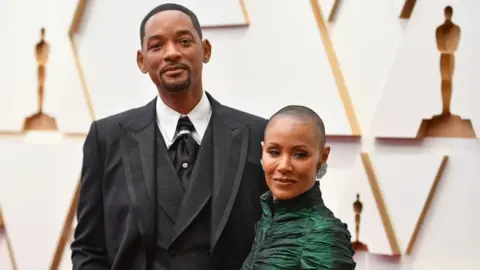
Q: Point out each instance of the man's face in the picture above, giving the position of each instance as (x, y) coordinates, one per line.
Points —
(172, 52)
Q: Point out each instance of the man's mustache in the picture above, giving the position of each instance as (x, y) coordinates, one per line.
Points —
(174, 67)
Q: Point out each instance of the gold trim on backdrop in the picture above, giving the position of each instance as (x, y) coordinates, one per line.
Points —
(67, 226)
(66, 230)
(245, 12)
(6, 133)
(337, 72)
(381, 206)
(426, 207)
(74, 29)
(407, 9)
(246, 19)
(9, 243)
(81, 74)
(334, 11)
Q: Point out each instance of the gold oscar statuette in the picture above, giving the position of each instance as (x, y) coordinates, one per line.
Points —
(357, 208)
(447, 124)
(40, 120)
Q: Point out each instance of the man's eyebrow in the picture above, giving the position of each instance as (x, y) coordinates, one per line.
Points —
(184, 32)
(178, 32)
(152, 37)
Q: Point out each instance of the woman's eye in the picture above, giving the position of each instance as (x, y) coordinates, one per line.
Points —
(301, 155)
(274, 152)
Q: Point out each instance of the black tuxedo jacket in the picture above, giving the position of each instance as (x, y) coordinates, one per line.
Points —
(116, 213)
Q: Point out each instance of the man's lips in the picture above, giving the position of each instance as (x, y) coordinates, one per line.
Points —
(174, 72)
(173, 69)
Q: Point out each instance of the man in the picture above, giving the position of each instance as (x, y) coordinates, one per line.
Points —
(164, 191)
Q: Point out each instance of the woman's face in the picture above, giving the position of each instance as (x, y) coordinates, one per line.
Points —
(291, 156)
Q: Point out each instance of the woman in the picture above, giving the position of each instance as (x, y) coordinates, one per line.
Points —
(297, 230)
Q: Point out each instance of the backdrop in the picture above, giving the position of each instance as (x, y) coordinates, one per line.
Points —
(370, 68)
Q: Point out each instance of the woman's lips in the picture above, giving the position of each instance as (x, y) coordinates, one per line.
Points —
(284, 182)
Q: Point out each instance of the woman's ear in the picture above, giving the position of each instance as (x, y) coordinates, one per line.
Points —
(322, 162)
(322, 170)
(325, 154)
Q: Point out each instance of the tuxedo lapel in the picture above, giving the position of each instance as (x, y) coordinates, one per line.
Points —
(229, 157)
(138, 161)
(141, 170)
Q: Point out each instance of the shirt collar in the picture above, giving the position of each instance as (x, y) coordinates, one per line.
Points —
(167, 118)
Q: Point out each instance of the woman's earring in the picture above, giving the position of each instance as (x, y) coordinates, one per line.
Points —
(322, 171)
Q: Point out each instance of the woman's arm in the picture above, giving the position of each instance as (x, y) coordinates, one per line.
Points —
(328, 247)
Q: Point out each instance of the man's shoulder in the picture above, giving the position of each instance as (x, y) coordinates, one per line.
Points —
(119, 117)
(108, 124)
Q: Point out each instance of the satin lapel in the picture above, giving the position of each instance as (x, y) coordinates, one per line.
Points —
(229, 157)
(138, 162)
(200, 190)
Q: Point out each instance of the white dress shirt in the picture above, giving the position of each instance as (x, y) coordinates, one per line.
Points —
(167, 120)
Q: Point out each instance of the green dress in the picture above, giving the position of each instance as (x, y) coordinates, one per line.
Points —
(301, 233)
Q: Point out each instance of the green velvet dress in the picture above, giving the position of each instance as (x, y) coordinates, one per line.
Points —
(301, 233)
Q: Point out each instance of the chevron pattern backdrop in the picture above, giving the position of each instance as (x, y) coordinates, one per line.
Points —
(370, 68)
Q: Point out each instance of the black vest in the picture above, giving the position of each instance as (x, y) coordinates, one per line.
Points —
(191, 249)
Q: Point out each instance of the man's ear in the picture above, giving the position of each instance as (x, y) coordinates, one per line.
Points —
(207, 50)
(140, 63)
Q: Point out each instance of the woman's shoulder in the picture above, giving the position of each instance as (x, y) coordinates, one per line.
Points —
(316, 220)
(325, 219)
(329, 227)
(328, 242)
(326, 224)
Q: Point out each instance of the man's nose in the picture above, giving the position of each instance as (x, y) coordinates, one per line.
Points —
(172, 53)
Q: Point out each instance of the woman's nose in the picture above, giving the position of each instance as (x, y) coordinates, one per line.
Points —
(285, 165)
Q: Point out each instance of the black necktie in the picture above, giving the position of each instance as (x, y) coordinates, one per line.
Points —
(184, 150)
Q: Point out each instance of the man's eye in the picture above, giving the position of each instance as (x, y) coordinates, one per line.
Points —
(155, 46)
